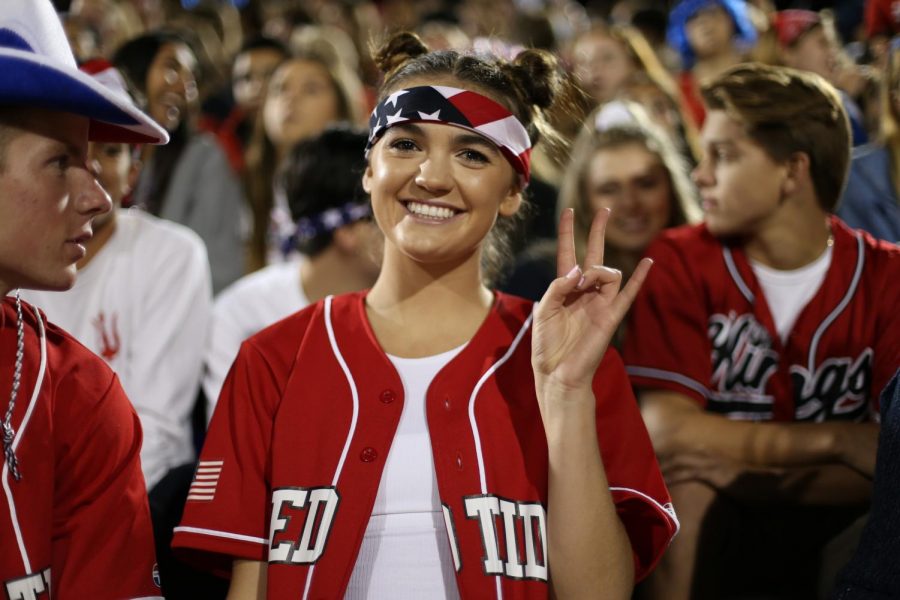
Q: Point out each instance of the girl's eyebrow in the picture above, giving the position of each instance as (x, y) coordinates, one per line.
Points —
(471, 139)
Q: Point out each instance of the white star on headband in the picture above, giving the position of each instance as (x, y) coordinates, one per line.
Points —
(392, 99)
(395, 118)
(332, 219)
(435, 116)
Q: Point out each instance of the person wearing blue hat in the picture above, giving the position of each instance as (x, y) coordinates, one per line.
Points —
(73, 512)
(710, 36)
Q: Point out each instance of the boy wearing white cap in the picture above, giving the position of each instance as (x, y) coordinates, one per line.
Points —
(73, 508)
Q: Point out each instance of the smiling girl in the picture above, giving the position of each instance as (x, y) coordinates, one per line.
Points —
(430, 438)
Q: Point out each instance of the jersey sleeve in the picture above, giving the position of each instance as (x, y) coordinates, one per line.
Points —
(227, 507)
(635, 481)
(103, 545)
(666, 344)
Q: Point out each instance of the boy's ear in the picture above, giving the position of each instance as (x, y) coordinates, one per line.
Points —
(797, 173)
(367, 179)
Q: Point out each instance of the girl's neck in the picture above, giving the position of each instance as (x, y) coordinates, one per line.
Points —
(420, 310)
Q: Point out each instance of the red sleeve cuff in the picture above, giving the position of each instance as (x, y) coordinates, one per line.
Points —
(214, 550)
(649, 524)
(653, 378)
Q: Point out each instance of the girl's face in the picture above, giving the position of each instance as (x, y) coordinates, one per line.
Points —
(171, 85)
(437, 190)
(301, 102)
(602, 66)
(634, 184)
(709, 31)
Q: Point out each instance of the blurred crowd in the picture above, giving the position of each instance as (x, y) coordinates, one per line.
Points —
(257, 199)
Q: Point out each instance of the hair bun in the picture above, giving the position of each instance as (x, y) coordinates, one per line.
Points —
(397, 50)
(537, 75)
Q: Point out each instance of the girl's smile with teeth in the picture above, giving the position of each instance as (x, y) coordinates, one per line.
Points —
(430, 211)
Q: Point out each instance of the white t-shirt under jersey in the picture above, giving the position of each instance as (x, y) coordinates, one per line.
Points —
(787, 292)
(247, 306)
(143, 303)
(405, 553)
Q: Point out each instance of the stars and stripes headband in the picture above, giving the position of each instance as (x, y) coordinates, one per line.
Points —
(462, 108)
(306, 228)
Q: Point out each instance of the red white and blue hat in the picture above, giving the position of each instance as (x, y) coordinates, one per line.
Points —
(461, 108)
(37, 69)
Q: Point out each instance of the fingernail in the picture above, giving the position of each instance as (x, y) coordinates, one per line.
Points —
(575, 271)
(580, 283)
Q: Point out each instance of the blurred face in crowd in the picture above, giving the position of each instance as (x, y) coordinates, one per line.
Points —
(812, 52)
(633, 182)
(111, 165)
(658, 105)
(602, 65)
(48, 198)
(171, 86)
(739, 183)
(301, 101)
(710, 31)
(250, 77)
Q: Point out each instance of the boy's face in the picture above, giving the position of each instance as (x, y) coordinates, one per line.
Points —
(740, 184)
(709, 31)
(48, 198)
(813, 52)
(112, 166)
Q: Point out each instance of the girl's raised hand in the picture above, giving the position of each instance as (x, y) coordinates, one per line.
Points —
(578, 315)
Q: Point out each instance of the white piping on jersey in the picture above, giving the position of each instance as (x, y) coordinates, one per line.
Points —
(223, 534)
(478, 452)
(669, 512)
(735, 274)
(857, 275)
(670, 376)
(355, 395)
(31, 404)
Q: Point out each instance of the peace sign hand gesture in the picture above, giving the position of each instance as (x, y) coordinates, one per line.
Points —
(578, 315)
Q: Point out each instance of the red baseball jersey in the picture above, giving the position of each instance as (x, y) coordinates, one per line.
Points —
(296, 448)
(701, 327)
(77, 521)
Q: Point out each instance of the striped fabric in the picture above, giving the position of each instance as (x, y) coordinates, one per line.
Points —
(206, 478)
(462, 108)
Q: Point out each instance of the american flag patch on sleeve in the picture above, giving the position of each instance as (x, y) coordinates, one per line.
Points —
(203, 487)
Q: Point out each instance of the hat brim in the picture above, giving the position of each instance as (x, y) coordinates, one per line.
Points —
(31, 80)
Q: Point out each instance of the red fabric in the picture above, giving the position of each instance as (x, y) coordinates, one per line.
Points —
(226, 133)
(791, 24)
(690, 94)
(677, 341)
(882, 17)
(284, 416)
(80, 506)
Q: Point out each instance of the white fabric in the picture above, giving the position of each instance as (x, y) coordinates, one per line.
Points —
(143, 303)
(405, 553)
(787, 292)
(247, 306)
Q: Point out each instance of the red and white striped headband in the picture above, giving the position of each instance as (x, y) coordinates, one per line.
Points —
(461, 108)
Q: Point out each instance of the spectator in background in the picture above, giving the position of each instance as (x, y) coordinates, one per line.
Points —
(710, 36)
(338, 246)
(232, 116)
(621, 161)
(802, 40)
(305, 95)
(882, 21)
(142, 301)
(761, 345)
(870, 200)
(188, 181)
(613, 62)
